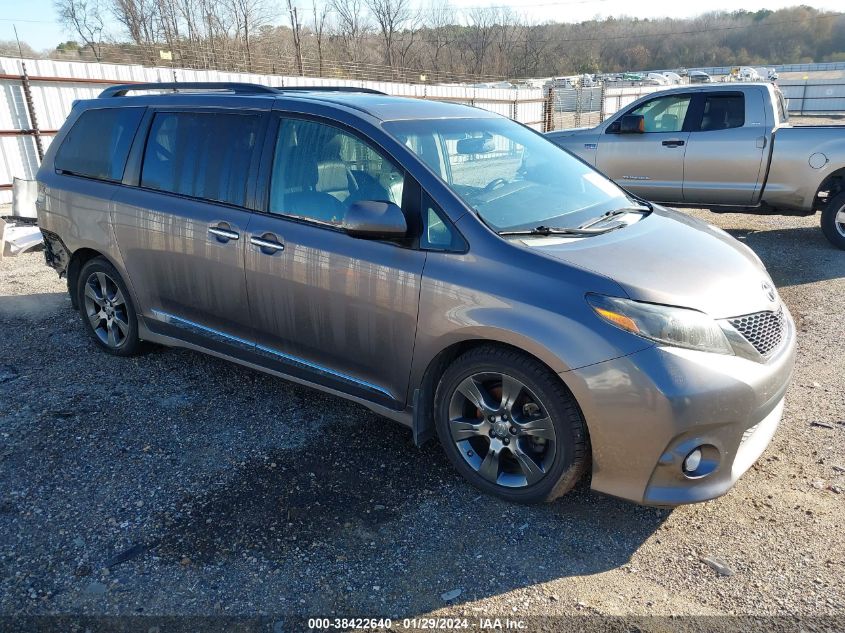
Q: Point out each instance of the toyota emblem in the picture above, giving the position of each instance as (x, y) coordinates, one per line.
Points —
(769, 290)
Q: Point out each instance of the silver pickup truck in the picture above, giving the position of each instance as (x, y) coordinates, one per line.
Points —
(723, 147)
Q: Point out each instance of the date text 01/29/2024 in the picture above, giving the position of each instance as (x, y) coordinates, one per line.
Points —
(431, 624)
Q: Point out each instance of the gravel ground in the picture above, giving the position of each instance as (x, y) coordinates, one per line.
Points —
(175, 483)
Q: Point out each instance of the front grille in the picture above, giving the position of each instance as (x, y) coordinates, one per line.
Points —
(764, 330)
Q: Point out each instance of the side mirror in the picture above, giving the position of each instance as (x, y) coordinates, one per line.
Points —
(374, 219)
(632, 124)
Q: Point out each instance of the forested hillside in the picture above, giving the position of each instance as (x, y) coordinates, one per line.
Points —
(387, 38)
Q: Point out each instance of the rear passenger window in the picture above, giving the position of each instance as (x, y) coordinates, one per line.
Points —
(723, 112)
(98, 143)
(202, 155)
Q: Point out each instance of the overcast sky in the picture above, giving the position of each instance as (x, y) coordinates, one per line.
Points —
(37, 25)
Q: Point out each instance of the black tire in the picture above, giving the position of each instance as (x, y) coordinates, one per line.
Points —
(116, 333)
(566, 456)
(834, 230)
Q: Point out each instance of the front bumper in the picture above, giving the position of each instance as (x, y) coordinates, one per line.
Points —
(645, 412)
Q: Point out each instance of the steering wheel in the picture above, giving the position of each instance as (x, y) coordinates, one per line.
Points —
(495, 184)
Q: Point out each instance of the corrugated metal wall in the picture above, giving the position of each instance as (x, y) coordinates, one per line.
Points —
(805, 97)
(55, 85)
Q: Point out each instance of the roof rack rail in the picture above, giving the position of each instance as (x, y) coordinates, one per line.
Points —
(175, 86)
(238, 88)
(368, 91)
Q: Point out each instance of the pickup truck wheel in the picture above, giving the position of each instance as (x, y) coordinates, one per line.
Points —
(510, 426)
(106, 308)
(833, 221)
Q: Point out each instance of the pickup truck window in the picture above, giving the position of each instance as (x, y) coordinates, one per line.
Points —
(665, 114)
(723, 112)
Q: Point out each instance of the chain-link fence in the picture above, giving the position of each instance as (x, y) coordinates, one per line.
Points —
(568, 108)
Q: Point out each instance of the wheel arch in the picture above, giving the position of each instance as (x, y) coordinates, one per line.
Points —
(424, 391)
(831, 186)
(78, 259)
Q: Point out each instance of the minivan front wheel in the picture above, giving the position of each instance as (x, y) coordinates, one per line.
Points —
(510, 426)
(106, 308)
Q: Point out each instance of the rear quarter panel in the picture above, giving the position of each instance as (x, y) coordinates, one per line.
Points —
(792, 182)
(77, 209)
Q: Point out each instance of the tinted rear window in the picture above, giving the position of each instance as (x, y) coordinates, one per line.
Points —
(98, 143)
(202, 155)
(723, 112)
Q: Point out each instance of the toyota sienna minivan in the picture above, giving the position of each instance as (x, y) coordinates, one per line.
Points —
(441, 265)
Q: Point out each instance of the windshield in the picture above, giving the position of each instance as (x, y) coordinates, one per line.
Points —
(514, 178)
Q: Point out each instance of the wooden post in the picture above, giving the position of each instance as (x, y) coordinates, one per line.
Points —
(548, 107)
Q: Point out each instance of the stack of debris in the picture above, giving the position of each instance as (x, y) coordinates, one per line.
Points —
(19, 230)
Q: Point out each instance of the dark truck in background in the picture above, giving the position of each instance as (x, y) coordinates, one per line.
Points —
(724, 147)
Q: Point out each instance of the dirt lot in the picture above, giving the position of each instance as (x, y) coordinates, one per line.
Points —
(178, 484)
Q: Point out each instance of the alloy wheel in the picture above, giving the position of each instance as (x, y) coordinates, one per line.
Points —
(502, 430)
(839, 221)
(105, 307)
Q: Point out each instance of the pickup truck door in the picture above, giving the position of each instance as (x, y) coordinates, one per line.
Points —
(726, 148)
(651, 164)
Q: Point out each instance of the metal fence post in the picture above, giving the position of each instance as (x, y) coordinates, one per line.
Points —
(602, 113)
(579, 103)
(30, 107)
(803, 96)
(548, 105)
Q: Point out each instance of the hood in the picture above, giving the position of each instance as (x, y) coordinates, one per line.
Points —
(670, 258)
(574, 131)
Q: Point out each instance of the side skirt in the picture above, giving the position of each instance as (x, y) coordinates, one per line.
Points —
(174, 331)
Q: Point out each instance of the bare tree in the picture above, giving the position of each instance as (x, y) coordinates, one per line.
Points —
(296, 27)
(139, 18)
(438, 20)
(352, 27)
(320, 15)
(480, 33)
(85, 19)
(392, 17)
(248, 16)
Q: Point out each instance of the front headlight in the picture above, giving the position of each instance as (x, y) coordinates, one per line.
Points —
(677, 327)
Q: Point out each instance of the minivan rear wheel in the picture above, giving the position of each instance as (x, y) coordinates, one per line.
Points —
(106, 308)
(510, 426)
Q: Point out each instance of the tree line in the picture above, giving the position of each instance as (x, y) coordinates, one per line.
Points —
(396, 39)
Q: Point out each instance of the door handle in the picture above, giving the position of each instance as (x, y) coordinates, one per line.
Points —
(675, 143)
(223, 234)
(266, 244)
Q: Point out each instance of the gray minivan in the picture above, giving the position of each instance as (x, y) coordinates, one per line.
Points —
(444, 266)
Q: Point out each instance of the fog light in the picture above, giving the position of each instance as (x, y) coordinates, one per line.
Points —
(692, 461)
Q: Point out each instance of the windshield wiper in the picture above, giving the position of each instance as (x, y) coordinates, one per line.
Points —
(612, 214)
(546, 230)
